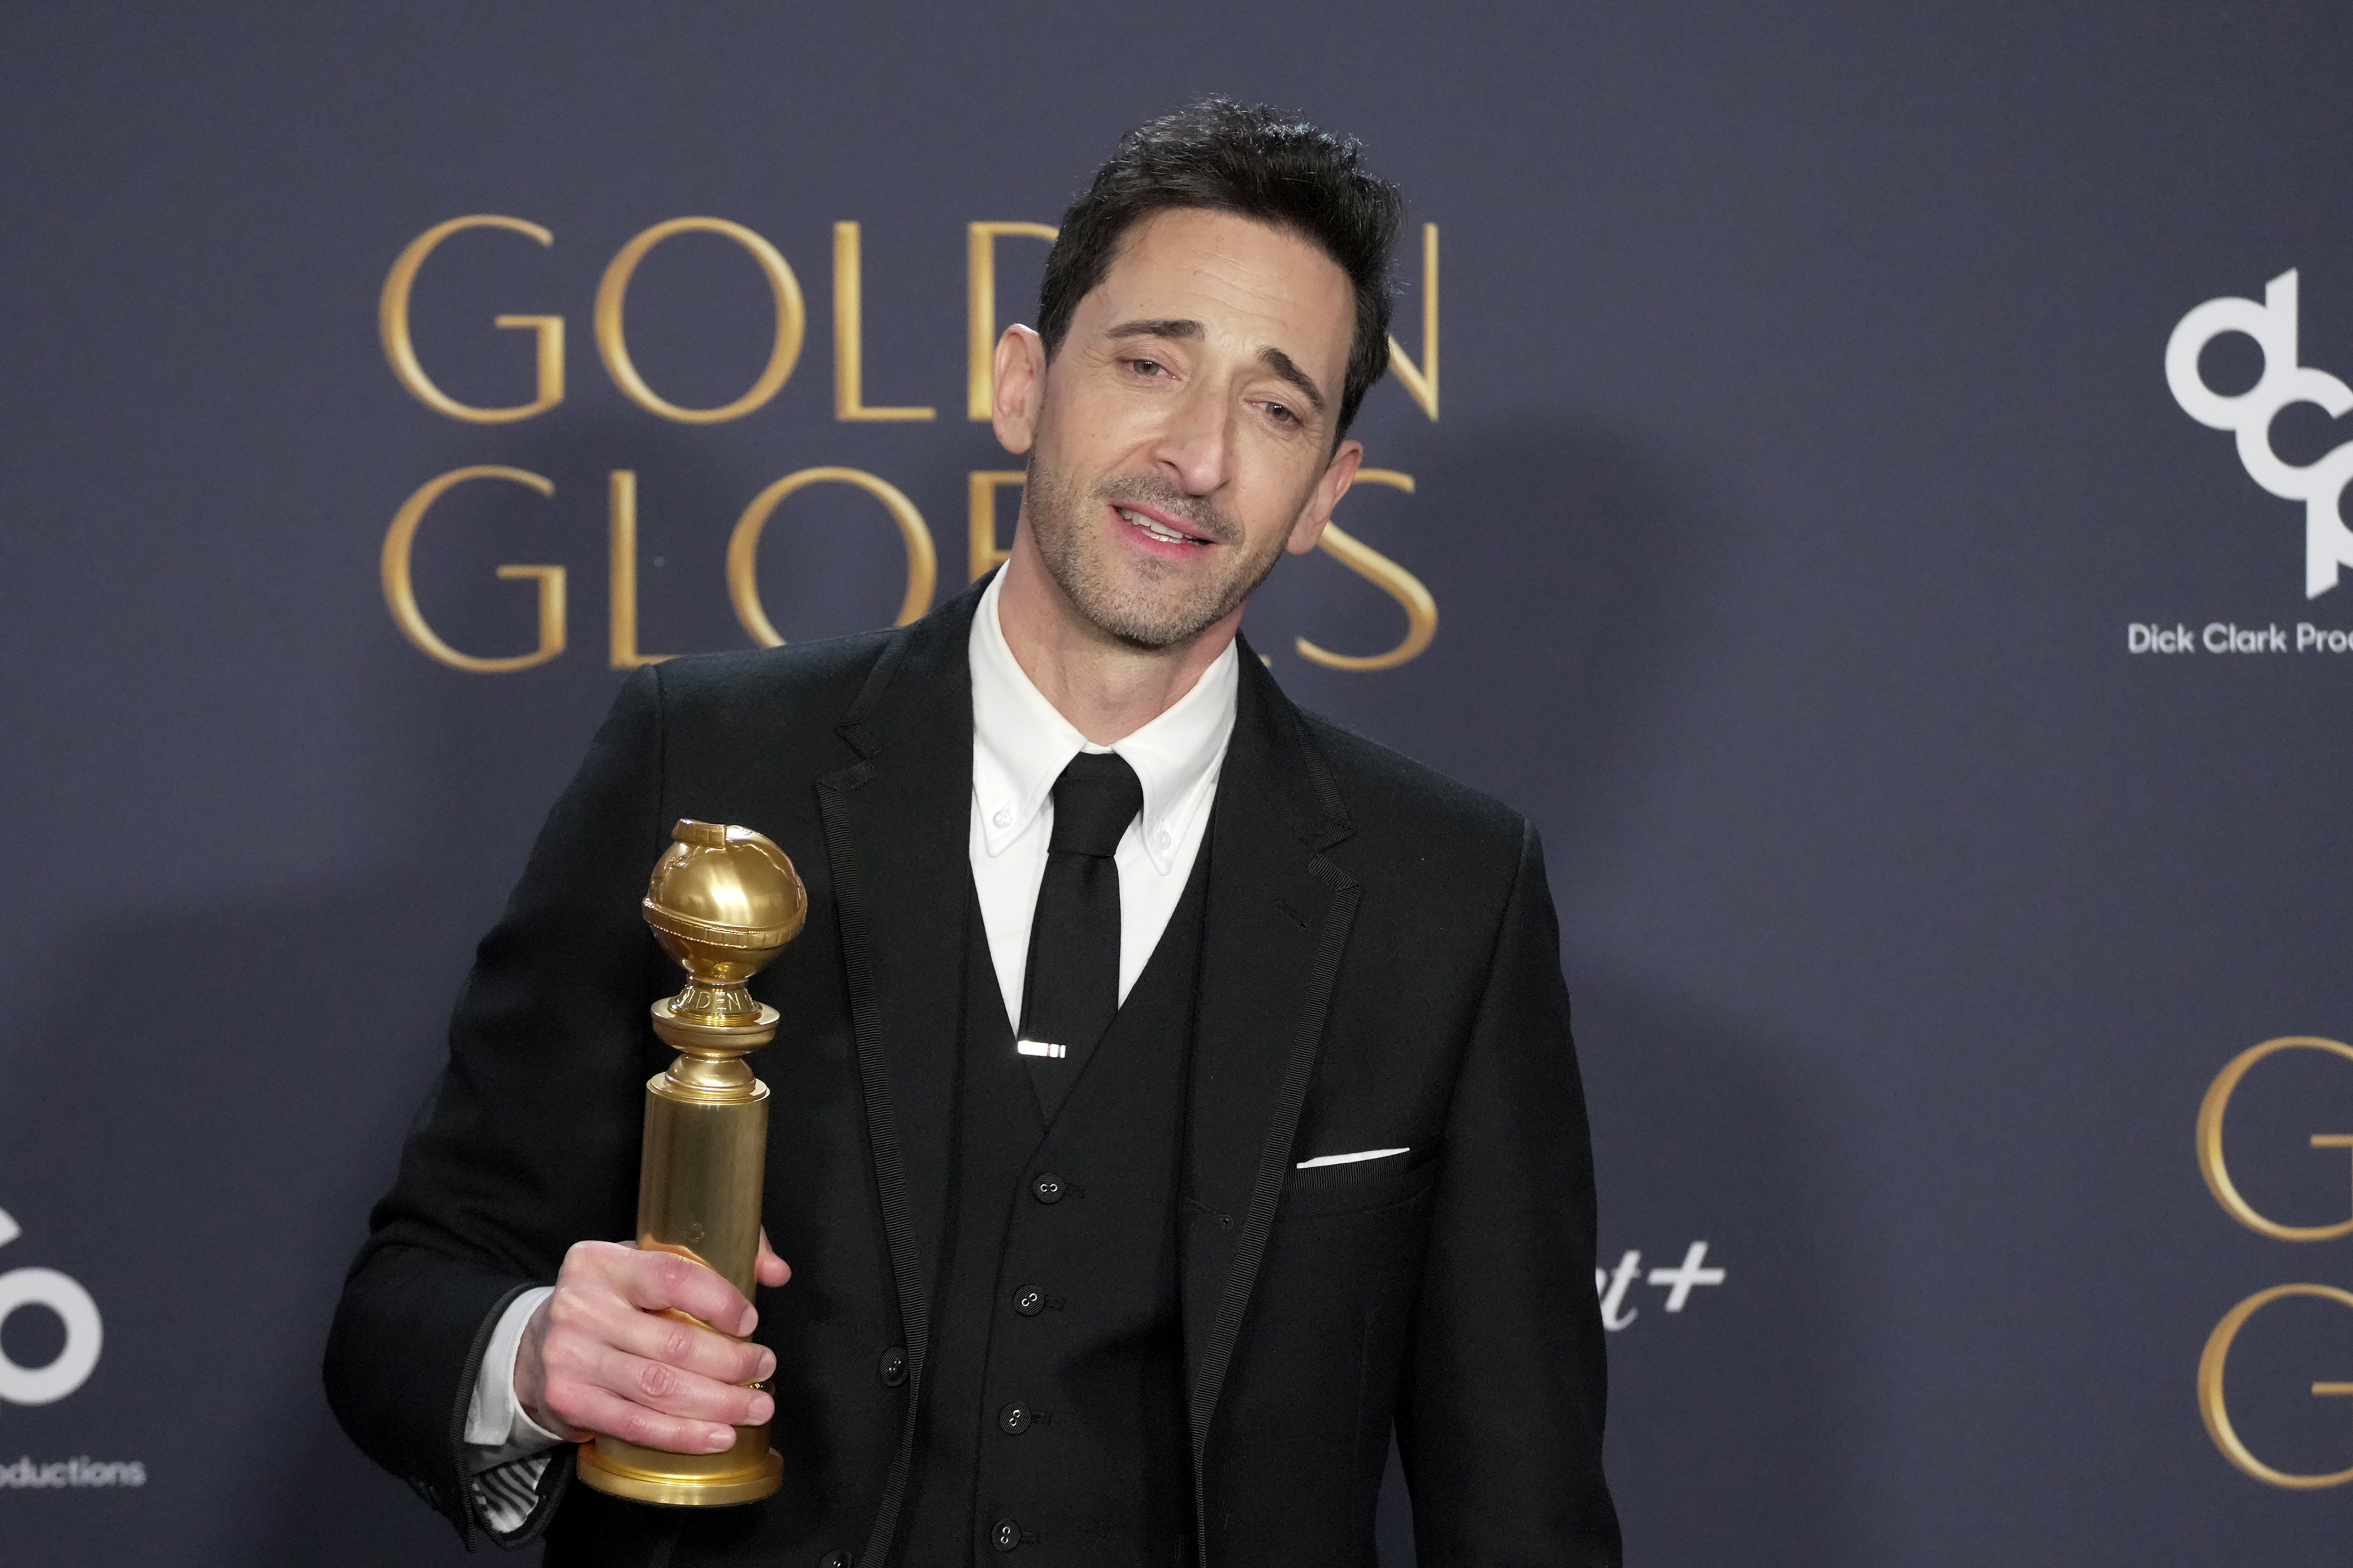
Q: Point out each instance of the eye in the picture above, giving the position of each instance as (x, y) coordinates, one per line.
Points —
(1144, 366)
(1280, 415)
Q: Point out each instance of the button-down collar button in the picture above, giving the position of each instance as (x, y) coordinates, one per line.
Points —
(1014, 1418)
(1005, 1536)
(1028, 1300)
(1047, 1189)
(1003, 818)
(893, 1368)
(1163, 839)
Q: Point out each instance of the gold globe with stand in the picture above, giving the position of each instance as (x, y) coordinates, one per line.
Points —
(724, 901)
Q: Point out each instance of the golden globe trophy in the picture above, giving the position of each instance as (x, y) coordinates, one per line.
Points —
(724, 901)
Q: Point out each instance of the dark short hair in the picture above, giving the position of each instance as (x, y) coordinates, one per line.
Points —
(1255, 162)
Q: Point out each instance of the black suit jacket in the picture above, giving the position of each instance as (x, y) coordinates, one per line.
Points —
(1380, 968)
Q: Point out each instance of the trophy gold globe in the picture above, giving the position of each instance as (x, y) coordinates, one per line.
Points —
(724, 901)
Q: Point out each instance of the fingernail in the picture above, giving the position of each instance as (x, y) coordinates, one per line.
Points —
(722, 1439)
(767, 1365)
(763, 1408)
(750, 1318)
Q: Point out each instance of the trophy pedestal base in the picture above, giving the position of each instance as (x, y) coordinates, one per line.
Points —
(744, 1473)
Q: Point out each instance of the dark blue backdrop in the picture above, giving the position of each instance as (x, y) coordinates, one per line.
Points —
(1803, 455)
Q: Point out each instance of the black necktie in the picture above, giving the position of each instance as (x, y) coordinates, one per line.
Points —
(1072, 988)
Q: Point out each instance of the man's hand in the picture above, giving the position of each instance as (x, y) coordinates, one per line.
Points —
(597, 1357)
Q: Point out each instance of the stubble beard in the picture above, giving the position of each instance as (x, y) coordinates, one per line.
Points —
(1145, 604)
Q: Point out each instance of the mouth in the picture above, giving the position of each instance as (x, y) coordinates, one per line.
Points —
(1159, 529)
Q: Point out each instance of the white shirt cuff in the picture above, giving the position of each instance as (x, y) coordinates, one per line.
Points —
(497, 1429)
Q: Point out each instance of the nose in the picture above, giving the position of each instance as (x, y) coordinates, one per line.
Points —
(1193, 444)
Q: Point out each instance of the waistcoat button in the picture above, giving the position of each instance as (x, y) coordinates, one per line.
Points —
(1007, 1534)
(1014, 1418)
(835, 1559)
(1028, 1300)
(1047, 1188)
(893, 1370)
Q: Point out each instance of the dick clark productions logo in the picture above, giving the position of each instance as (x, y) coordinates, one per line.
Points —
(2320, 484)
(84, 1332)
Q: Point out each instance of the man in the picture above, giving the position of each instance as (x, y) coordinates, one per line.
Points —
(1175, 1094)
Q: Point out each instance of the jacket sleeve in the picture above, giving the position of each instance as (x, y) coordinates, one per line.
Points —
(528, 1141)
(1500, 1422)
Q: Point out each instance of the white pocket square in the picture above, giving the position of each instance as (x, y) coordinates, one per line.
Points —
(1348, 1159)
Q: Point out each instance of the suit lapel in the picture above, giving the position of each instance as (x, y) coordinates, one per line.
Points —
(1277, 921)
(897, 830)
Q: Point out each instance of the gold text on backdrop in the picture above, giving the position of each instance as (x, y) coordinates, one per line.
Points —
(2213, 1403)
(612, 338)
(2210, 1140)
(623, 600)
(1420, 609)
(980, 308)
(849, 335)
(392, 325)
(744, 547)
(986, 551)
(1420, 381)
(2215, 1407)
(400, 593)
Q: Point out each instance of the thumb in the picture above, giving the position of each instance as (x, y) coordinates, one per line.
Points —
(770, 1270)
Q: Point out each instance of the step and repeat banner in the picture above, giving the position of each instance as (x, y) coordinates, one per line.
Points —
(1868, 481)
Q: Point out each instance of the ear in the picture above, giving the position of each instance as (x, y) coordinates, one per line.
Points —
(1339, 475)
(1020, 371)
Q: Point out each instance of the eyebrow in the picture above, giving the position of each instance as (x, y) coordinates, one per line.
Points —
(1163, 327)
(1281, 364)
(1274, 359)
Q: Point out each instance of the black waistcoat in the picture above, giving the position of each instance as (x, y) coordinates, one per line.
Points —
(1054, 1422)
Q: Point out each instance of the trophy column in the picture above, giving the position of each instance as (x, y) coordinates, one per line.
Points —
(724, 901)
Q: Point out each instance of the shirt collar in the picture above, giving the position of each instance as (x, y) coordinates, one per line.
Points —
(1021, 743)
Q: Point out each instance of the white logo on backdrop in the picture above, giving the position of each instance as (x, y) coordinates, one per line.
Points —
(1611, 1284)
(71, 1303)
(2320, 484)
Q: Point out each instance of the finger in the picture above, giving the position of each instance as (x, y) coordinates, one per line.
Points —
(770, 1270)
(689, 1347)
(595, 1264)
(667, 1390)
(585, 1336)
(658, 1281)
(607, 1413)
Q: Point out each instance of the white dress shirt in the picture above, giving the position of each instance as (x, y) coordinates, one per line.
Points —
(1021, 744)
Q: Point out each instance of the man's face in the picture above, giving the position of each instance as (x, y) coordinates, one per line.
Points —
(1181, 440)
